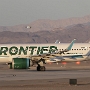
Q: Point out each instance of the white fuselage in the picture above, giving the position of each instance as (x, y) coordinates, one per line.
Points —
(9, 51)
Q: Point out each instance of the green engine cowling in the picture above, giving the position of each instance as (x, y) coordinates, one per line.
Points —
(20, 63)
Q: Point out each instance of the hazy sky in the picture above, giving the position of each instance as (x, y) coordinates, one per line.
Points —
(14, 12)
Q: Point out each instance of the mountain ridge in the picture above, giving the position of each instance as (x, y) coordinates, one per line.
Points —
(46, 24)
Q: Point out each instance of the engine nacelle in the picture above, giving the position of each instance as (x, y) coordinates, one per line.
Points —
(20, 63)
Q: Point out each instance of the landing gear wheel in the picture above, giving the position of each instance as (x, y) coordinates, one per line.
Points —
(38, 68)
(41, 68)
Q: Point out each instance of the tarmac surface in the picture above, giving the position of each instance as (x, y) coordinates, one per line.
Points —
(55, 77)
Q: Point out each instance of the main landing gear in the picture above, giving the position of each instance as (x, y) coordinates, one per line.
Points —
(41, 66)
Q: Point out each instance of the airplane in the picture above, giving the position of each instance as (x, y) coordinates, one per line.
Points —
(21, 56)
(57, 41)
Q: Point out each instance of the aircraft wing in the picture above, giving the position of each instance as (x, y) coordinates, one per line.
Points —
(77, 56)
(70, 58)
(73, 56)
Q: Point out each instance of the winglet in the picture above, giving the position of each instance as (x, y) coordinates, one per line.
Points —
(70, 46)
(57, 41)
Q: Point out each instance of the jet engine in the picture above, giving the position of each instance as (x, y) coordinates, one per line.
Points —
(20, 63)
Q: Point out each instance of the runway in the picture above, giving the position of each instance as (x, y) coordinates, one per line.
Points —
(55, 77)
(49, 74)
